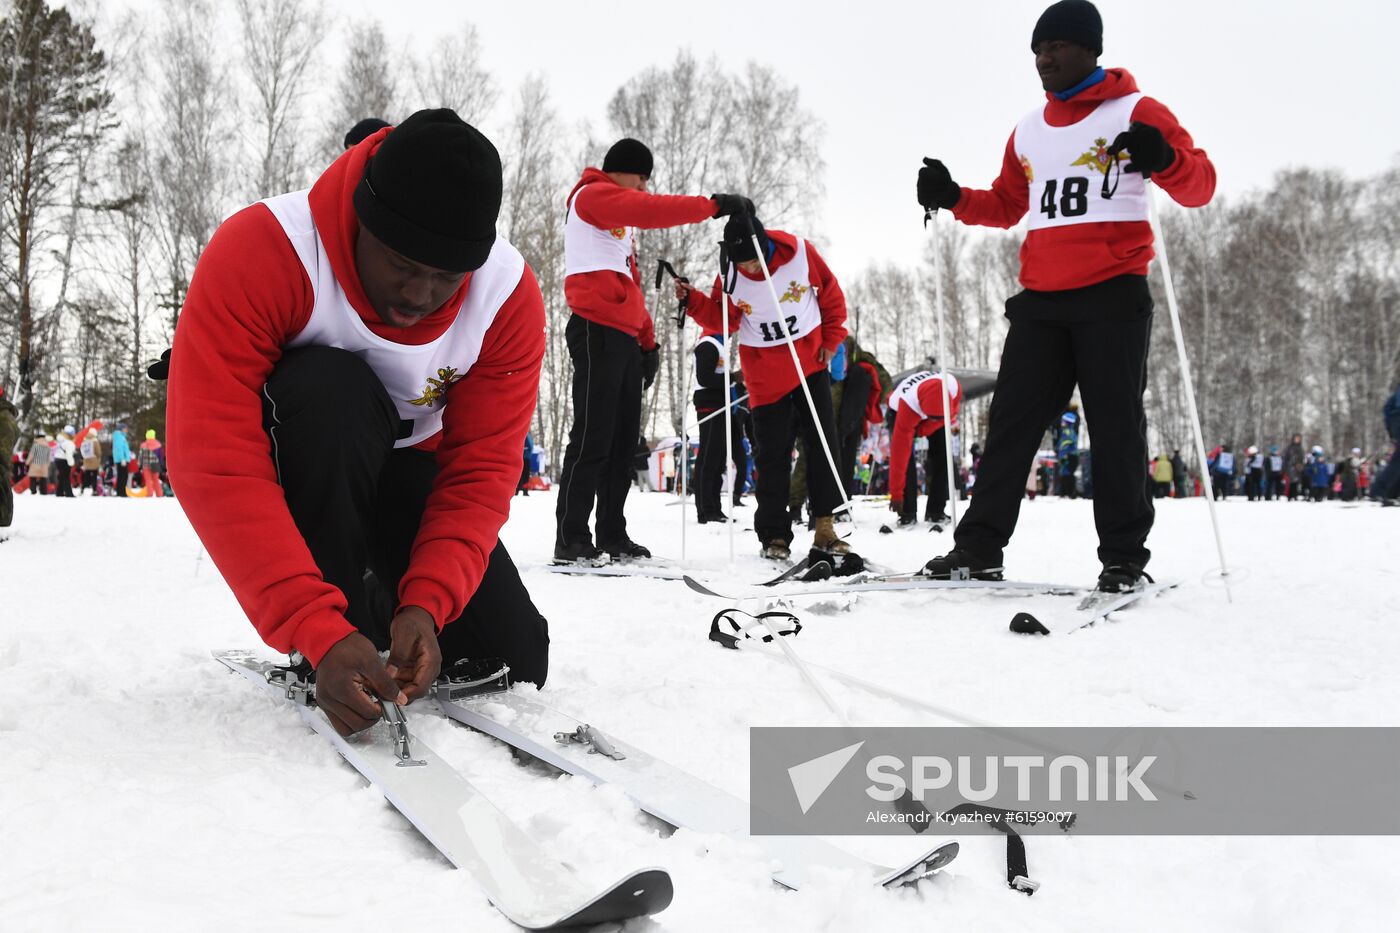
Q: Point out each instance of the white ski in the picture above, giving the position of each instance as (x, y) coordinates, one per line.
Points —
(510, 868)
(896, 583)
(1098, 606)
(658, 572)
(662, 789)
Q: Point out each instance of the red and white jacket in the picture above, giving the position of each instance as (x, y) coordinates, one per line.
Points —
(249, 298)
(768, 371)
(609, 296)
(1073, 256)
(918, 406)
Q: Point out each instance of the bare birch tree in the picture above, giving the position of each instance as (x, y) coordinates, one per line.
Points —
(451, 74)
(367, 86)
(280, 39)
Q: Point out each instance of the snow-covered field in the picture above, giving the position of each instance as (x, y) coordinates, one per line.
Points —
(142, 787)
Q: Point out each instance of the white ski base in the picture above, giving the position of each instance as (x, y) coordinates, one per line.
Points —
(516, 875)
(667, 792)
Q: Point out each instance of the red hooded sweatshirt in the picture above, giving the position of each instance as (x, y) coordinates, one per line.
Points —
(1061, 258)
(611, 298)
(249, 296)
(908, 423)
(768, 371)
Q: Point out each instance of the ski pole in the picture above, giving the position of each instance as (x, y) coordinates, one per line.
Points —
(715, 414)
(932, 214)
(801, 376)
(805, 671)
(728, 413)
(1186, 380)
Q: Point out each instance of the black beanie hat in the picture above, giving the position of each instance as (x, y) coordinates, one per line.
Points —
(1076, 21)
(628, 155)
(738, 240)
(363, 130)
(432, 191)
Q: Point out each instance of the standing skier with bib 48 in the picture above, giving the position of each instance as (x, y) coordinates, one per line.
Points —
(1078, 165)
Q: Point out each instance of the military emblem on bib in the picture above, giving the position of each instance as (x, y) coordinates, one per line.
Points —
(618, 233)
(1096, 157)
(436, 387)
(1026, 167)
(794, 292)
(744, 306)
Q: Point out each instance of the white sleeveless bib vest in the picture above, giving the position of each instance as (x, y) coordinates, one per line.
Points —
(719, 364)
(1065, 168)
(762, 324)
(907, 392)
(591, 249)
(416, 377)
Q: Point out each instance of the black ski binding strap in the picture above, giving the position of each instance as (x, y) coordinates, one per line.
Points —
(468, 678)
(739, 632)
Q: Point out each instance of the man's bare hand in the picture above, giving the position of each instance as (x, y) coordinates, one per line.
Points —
(824, 355)
(350, 681)
(414, 656)
(683, 290)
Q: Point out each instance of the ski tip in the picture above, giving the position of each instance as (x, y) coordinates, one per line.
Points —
(886, 530)
(1023, 623)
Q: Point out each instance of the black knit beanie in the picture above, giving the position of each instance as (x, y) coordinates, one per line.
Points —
(432, 191)
(738, 240)
(363, 130)
(630, 156)
(1076, 21)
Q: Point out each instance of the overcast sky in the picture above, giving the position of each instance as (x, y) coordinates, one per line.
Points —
(1260, 85)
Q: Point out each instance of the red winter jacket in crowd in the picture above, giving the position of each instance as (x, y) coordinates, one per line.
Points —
(768, 371)
(1073, 256)
(611, 298)
(249, 297)
(908, 423)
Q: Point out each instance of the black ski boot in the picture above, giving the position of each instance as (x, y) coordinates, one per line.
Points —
(1122, 578)
(626, 549)
(582, 553)
(958, 564)
(906, 520)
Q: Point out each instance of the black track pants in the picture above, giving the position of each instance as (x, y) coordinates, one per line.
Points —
(1040, 364)
(776, 427)
(607, 394)
(357, 501)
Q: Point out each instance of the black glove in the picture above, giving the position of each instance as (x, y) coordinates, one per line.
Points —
(936, 186)
(651, 365)
(160, 369)
(726, 204)
(1150, 151)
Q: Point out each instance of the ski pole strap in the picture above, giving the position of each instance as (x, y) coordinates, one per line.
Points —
(727, 628)
(1017, 874)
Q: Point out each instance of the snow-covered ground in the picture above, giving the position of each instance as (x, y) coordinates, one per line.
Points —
(142, 787)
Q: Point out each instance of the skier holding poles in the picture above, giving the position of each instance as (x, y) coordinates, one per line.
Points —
(811, 312)
(916, 408)
(1078, 165)
(612, 343)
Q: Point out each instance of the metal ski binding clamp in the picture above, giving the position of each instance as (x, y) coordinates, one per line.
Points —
(298, 688)
(398, 727)
(597, 743)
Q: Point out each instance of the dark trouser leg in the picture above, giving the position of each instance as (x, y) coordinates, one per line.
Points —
(332, 426)
(121, 480)
(909, 508)
(64, 486)
(821, 484)
(499, 621)
(774, 428)
(597, 383)
(625, 356)
(1111, 361)
(709, 465)
(7, 502)
(850, 444)
(936, 475)
(1387, 484)
(1036, 378)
